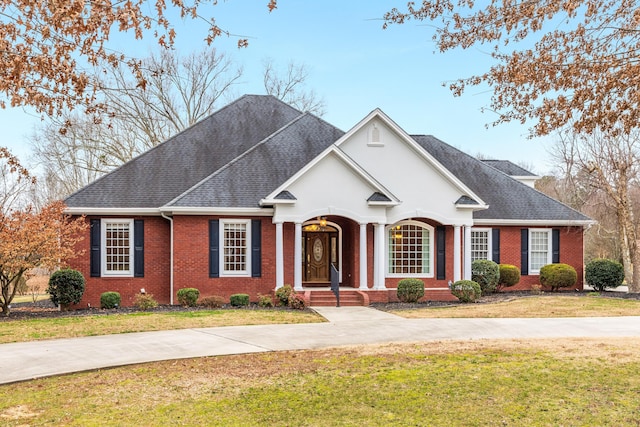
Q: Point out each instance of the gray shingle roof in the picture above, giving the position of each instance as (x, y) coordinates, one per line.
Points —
(508, 167)
(166, 171)
(508, 199)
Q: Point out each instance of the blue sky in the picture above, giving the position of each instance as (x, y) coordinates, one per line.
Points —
(355, 66)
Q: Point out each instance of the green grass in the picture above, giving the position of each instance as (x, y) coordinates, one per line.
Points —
(101, 324)
(571, 382)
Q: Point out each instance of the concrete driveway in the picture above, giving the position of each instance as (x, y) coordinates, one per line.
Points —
(346, 326)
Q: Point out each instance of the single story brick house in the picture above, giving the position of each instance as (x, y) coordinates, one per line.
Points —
(259, 195)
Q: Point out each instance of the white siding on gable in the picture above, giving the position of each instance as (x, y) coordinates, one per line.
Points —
(406, 173)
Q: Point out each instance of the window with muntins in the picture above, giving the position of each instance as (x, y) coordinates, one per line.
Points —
(480, 244)
(539, 249)
(235, 243)
(410, 249)
(117, 238)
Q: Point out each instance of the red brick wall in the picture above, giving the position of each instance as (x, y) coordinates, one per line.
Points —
(156, 268)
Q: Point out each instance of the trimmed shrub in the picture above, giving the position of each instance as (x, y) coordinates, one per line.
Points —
(601, 274)
(265, 301)
(485, 273)
(283, 294)
(145, 302)
(509, 276)
(410, 290)
(297, 302)
(188, 297)
(239, 300)
(556, 276)
(109, 300)
(66, 287)
(215, 301)
(466, 290)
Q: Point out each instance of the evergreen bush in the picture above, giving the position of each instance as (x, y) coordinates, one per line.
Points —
(188, 297)
(601, 274)
(466, 290)
(509, 276)
(485, 273)
(283, 294)
(109, 300)
(239, 300)
(410, 290)
(556, 276)
(265, 301)
(66, 287)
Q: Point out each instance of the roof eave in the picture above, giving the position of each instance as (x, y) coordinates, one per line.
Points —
(110, 211)
(535, 222)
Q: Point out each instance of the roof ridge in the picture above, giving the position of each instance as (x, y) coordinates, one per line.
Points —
(237, 158)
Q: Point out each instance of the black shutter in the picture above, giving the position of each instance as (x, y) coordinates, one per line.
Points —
(495, 245)
(94, 243)
(441, 253)
(214, 251)
(555, 246)
(256, 248)
(524, 249)
(138, 248)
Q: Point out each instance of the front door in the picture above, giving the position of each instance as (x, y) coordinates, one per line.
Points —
(317, 257)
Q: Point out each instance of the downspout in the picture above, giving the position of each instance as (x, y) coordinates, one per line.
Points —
(170, 219)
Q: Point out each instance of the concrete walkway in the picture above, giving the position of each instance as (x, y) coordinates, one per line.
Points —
(346, 326)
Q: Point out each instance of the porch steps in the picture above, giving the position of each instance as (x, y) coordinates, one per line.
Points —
(327, 298)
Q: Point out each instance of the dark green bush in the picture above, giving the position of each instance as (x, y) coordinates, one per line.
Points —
(265, 301)
(556, 276)
(239, 300)
(145, 302)
(410, 290)
(509, 276)
(485, 273)
(283, 294)
(214, 301)
(188, 297)
(601, 274)
(109, 300)
(297, 302)
(466, 290)
(66, 287)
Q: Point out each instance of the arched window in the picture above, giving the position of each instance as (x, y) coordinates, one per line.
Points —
(410, 249)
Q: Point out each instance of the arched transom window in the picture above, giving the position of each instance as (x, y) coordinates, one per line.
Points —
(410, 249)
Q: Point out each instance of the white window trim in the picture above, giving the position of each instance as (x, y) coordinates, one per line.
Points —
(532, 271)
(103, 247)
(235, 273)
(432, 254)
(489, 241)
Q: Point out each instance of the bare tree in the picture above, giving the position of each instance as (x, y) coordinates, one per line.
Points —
(289, 86)
(608, 165)
(178, 93)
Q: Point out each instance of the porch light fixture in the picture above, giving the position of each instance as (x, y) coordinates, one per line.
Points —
(323, 222)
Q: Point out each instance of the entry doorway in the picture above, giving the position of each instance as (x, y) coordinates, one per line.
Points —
(320, 250)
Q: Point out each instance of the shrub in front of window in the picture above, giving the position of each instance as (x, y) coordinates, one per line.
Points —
(66, 287)
(509, 276)
(188, 297)
(485, 273)
(601, 274)
(145, 302)
(297, 302)
(214, 301)
(410, 290)
(556, 276)
(466, 290)
(265, 301)
(283, 294)
(109, 300)
(239, 300)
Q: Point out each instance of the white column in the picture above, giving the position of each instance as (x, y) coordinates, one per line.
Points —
(279, 256)
(297, 258)
(363, 256)
(457, 253)
(378, 263)
(467, 253)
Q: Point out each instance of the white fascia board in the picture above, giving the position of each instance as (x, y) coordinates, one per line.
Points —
(390, 204)
(535, 222)
(472, 207)
(415, 146)
(112, 211)
(180, 210)
(347, 160)
(269, 202)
